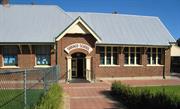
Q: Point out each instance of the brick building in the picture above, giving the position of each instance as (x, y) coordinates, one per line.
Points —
(84, 45)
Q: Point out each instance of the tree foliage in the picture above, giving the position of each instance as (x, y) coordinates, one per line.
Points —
(178, 42)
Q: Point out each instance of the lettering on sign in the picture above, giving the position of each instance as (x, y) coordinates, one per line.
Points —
(78, 46)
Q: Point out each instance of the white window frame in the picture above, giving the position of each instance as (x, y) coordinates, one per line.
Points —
(129, 57)
(41, 66)
(105, 57)
(151, 56)
(9, 66)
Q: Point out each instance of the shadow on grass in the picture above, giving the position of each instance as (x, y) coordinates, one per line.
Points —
(115, 104)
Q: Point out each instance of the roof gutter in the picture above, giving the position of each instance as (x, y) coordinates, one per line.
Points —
(131, 45)
(26, 43)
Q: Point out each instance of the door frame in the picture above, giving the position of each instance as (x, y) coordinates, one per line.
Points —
(87, 66)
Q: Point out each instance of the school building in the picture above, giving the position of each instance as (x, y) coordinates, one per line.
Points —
(85, 45)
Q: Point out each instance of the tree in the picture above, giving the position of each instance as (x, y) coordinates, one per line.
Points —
(178, 42)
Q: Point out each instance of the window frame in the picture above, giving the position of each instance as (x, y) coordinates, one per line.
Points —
(14, 55)
(111, 56)
(43, 54)
(135, 57)
(156, 58)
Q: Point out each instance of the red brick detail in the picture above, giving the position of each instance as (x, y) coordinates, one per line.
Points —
(26, 60)
(53, 59)
(71, 39)
(131, 71)
(167, 61)
(1, 57)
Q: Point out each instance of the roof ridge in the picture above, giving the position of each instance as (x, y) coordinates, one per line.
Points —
(133, 15)
(31, 5)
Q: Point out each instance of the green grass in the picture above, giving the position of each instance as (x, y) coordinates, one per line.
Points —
(53, 99)
(14, 98)
(167, 89)
(148, 97)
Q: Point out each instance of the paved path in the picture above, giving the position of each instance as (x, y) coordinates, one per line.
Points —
(96, 95)
(89, 96)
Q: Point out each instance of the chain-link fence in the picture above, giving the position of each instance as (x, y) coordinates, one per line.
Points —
(22, 89)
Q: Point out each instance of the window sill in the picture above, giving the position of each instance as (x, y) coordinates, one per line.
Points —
(154, 65)
(131, 65)
(109, 65)
(42, 66)
(10, 67)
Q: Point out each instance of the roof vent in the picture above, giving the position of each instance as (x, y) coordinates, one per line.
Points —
(114, 12)
(4, 2)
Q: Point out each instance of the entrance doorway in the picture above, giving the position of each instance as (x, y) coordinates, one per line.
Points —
(78, 64)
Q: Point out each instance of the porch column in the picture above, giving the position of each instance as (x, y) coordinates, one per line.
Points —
(69, 75)
(88, 68)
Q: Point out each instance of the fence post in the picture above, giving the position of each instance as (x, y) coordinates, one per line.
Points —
(57, 73)
(45, 79)
(25, 88)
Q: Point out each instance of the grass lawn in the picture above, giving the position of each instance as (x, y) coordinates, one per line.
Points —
(147, 97)
(168, 89)
(14, 98)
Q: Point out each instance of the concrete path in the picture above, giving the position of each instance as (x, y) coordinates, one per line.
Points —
(89, 96)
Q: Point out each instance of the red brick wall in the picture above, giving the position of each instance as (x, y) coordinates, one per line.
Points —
(131, 71)
(1, 57)
(102, 71)
(167, 61)
(26, 58)
(71, 39)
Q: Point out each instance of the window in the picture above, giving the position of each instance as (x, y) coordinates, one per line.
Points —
(160, 52)
(108, 55)
(115, 55)
(126, 55)
(132, 55)
(102, 55)
(10, 55)
(138, 56)
(154, 56)
(149, 55)
(42, 55)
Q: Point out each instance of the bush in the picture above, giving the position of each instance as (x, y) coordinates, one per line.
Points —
(53, 99)
(135, 98)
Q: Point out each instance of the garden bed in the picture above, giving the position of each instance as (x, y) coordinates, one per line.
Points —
(157, 97)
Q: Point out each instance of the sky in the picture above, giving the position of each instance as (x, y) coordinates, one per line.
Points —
(167, 10)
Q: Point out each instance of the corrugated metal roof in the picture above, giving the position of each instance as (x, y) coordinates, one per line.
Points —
(42, 23)
(127, 29)
(32, 23)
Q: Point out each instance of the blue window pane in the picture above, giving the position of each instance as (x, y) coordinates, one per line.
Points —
(102, 58)
(10, 60)
(43, 60)
(126, 58)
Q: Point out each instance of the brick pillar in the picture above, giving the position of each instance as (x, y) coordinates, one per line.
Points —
(144, 57)
(167, 63)
(53, 59)
(26, 60)
(1, 57)
(121, 57)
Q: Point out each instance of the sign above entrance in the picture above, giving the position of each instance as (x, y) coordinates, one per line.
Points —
(78, 46)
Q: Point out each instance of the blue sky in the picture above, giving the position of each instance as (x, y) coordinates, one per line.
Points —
(167, 10)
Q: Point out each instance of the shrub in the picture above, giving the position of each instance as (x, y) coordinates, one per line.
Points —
(52, 99)
(136, 98)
